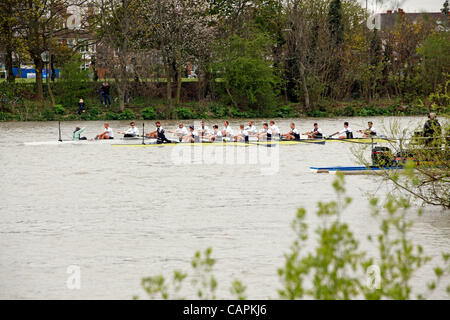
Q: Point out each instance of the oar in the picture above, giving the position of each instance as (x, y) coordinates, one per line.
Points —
(59, 128)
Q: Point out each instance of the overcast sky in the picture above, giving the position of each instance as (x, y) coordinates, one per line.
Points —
(407, 5)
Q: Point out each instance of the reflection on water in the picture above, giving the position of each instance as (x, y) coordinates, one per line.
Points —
(124, 213)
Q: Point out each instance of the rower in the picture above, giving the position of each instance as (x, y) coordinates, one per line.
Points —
(77, 134)
(347, 131)
(251, 129)
(160, 134)
(131, 132)
(181, 132)
(266, 133)
(216, 134)
(369, 132)
(293, 134)
(107, 133)
(192, 136)
(227, 131)
(242, 134)
(204, 130)
(275, 130)
(316, 133)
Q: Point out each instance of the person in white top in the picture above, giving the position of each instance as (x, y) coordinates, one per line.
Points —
(346, 133)
(204, 130)
(369, 132)
(316, 132)
(227, 131)
(293, 134)
(216, 134)
(132, 131)
(107, 133)
(192, 136)
(274, 128)
(251, 129)
(180, 132)
(242, 134)
(265, 134)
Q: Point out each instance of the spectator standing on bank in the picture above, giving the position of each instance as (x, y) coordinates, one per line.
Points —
(105, 94)
(81, 107)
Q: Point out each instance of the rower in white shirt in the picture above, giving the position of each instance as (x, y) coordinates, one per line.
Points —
(275, 130)
(242, 134)
(265, 134)
(192, 136)
(369, 132)
(293, 134)
(346, 133)
(132, 131)
(216, 134)
(251, 129)
(227, 131)
(204, 130)
(316, 132)
(107, 133)
(180, 132)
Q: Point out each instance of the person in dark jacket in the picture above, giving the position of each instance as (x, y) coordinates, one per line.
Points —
(432, 129)
(105, 94)
(81, 107)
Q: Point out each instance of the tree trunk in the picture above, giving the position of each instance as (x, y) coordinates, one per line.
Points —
(9, 64)
(179, 78)
(168, 87)
(305, 86)
(39, 88)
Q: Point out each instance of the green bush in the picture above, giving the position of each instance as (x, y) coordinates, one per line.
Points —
(284, 112)
(5, 116)
(349, 111)
(317, 114)
(112, 116)
(236, 113)
(218, 111)
(127, 114)
(48, 114)
(148, 113)
(59, 109)
(184, 113)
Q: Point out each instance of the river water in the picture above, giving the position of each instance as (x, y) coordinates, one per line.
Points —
(121, 213)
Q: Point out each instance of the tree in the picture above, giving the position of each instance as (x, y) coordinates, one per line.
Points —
(177, 30)
(445, 8)
(8, 29)
(115, 25)
(335, 22)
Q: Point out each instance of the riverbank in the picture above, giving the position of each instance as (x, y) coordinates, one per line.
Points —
(142, 108)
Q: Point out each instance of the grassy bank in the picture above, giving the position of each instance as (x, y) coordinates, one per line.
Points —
(151, 108)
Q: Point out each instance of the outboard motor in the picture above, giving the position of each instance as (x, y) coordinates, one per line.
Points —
(382, 156)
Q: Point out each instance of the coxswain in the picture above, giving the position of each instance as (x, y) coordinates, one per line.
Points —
(77, 134)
